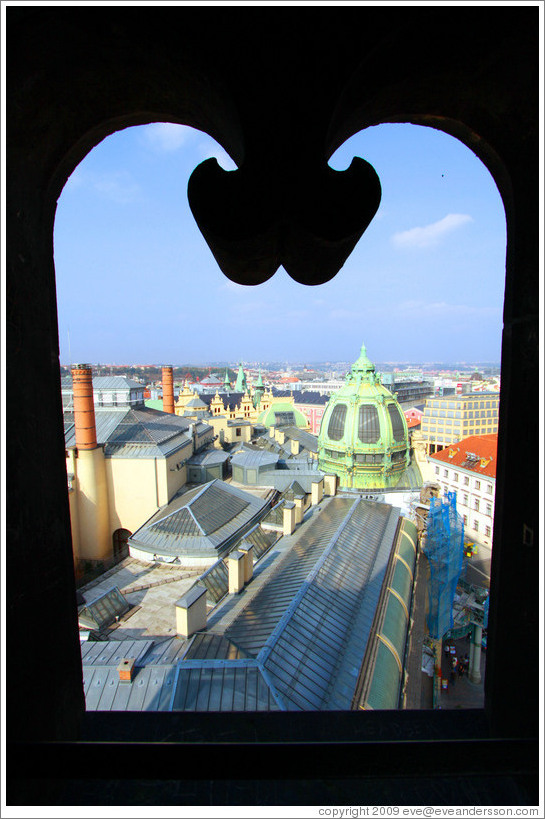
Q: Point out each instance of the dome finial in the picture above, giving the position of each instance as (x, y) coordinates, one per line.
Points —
(363, 364)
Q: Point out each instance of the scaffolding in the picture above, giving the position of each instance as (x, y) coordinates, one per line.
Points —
(444, 548)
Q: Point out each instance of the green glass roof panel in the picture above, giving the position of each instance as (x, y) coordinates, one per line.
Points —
(394, 626)
(383, 693)
(402, 582)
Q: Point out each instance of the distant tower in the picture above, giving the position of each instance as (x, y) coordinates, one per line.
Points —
(259, 389)
(363, 437)
(241, 385)
(226, 382)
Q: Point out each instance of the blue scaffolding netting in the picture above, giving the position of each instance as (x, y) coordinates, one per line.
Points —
(445, 552)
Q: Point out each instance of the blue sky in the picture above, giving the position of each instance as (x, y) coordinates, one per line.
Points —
(425, 282)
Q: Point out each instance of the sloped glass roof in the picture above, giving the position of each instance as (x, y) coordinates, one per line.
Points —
(201, 522)
(237, 685)
(103, 611)
(216, 580)
(216, 507)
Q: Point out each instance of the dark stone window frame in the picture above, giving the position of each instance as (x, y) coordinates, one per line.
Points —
(510, 168)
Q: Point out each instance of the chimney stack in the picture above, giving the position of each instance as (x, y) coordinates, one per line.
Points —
(168, 390)
(84, 406)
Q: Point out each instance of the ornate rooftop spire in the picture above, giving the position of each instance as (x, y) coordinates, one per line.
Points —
(241, 385)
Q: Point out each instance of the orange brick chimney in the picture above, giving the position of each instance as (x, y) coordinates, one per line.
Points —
(168, 390)
(84, 407)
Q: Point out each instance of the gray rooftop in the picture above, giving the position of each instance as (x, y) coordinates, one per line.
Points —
(106, 382)
(254, 459)
(306, 439)
(199, 523)
(295, 639)
(281, 479)
(308, 626)
(209, 458)
(155, 672)
(137, 432)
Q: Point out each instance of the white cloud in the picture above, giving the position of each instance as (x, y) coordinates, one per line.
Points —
(430, 235)
(167, 136)
(119, 186)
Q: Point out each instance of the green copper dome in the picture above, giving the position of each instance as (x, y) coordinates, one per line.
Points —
(364, 437)
(282, 414)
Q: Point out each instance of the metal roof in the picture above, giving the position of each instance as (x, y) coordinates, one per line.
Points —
(197, 403)
(310, 397)
(282, 478)
(306, 439)
(254, 459)
(209, 458)
(137, 432)
(308, 626)
(200, 523)
(299, 641)
(106, 382)
(222, 685)
(153, 680)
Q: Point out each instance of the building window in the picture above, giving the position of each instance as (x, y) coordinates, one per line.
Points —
(489, 509)
(398, 429)
(455, 478)
(335, 429)
(488, 531)
(476, 525)
(445, 473)
(437, 470)
(465, 520)
(477, 484)
(476, 505)
(466, 481)
(489, 488)
(368, 424)
(466, 500)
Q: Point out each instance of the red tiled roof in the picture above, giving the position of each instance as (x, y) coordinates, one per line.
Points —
(483, 447)
(413, 422)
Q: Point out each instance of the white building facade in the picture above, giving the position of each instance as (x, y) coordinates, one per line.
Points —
(469, 469)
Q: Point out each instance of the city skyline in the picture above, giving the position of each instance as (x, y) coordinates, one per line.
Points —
(424, 283)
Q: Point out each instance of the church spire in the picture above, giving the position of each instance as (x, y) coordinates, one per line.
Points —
(259, 389)
(241, 385)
